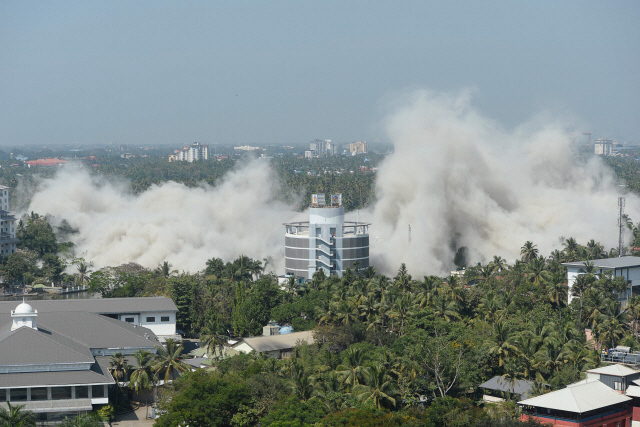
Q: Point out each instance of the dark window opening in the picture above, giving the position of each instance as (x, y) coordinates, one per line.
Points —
(164, 319)
(151, 319)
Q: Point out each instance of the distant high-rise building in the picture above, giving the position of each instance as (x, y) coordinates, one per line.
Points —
(7, 224)
(358, 147)
(191, 153)
(603, 147)
(326, 241)
(319, 147)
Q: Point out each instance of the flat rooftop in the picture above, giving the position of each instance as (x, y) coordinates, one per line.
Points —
(608, 263)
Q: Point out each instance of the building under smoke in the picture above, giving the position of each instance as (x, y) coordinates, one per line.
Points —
(7, 224)
(326, 241)
(603, 147)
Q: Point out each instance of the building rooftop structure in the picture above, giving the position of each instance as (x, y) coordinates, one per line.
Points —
(608, 263)
(578, 398)
(519, 387)
(274, 345)
(56, 361)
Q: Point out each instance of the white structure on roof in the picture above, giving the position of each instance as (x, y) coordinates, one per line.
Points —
(7, 224)
(24, 315)
(627, 267)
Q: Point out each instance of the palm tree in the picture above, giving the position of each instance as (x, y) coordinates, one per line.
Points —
(212, 341)
(444, 308)
(351, 370)
(379, 387)
(571, 249)
(427, 290)
(528, 252)
(83, 420)
(142, 377)
(502, 343)
(83, 271)
(537, 269)
(301, 383)
(164, 270)
(557, 290)
(16, 417)
(403, 279)
(498, 264)
(119, 368)
(402, 309)
(633, 308)
(167, 362)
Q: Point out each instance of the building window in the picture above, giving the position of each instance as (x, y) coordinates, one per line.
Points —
(61, 393)
(39, 393)
(151, 319)
(617, 385)
(164, 319)
(18, 394)
(3, 395)
(82, 392)
(128, 319)
(97, 391)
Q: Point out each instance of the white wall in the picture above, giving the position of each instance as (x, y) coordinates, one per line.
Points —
(159, 327)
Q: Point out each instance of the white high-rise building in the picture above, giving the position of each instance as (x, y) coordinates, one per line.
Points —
(191, 153)
(7, 224)
(326, 241)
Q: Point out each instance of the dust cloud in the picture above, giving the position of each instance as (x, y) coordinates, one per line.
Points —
(169, 222)
(458, 178)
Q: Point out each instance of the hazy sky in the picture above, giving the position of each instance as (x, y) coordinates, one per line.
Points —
(154, 72)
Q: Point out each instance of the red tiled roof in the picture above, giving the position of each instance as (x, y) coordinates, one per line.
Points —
(45, 162)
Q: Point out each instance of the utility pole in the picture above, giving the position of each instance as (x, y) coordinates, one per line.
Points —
(621, 225)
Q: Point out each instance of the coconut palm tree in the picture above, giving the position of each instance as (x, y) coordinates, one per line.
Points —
(167, 363)
(83, 420)
(502, 343)
(571, 249)
(445, 309)
(15, 416)
(119, 369)
(379, 387)
(528, 252)
(142, 377)
(351, 370)
(212, 341)
(403, 279)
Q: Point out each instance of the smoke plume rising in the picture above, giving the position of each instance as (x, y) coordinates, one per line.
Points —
(168, 222)
(458, 178)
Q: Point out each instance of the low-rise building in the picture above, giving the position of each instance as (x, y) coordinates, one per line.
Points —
(627, 267)
(277, 346)
(155, 313)
(56, 363)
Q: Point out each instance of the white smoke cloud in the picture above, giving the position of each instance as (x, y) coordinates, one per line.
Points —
(458, 176)
(185, 226)
(454, 176)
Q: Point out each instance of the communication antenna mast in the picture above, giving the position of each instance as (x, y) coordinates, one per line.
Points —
(621, 224)
(409, 233)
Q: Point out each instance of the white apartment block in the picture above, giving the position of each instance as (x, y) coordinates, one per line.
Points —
(7, 224)
(191, 153)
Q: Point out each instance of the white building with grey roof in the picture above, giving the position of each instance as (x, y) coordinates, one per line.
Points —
(627, 267)
(55, 361)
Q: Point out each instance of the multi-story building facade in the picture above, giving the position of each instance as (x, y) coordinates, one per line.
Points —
(358, 147)
(603, 147)
(191, 153)
(326, 241)
(7, 224)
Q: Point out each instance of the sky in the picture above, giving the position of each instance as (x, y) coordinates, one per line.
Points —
(249, 72)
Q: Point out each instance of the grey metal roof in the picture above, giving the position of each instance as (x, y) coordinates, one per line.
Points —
(615, 370)
(608, 263)
(277, 342)
(97, 331)
(98, 374)
(29, 346)
(97, 305)
(497, 383)
(578, 398)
